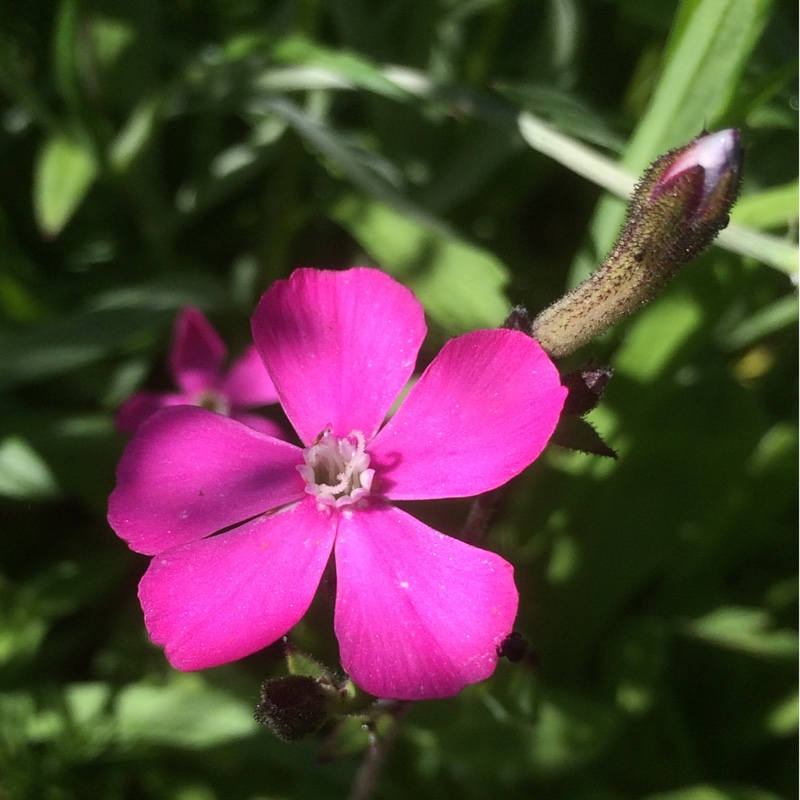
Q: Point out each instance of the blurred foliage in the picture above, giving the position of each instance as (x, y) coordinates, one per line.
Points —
(161, 154)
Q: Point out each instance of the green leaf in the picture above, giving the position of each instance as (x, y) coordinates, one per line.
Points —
(656, 336)
(569, 732)
(64, 344)
(110, 38)
(135, 135)
(783, 719)
(87, 726)
(66, 67)
(371, 173)
(714, 793)
(64, 173)
(460, 285)
(767, 248)
(764, 322)
(570, 115)
(184, 713)
(348, 66)
(300, 663)
(709, 46)
(772, 208)
(745, 629)
(22, 629)
(79, 720)
(23, 474)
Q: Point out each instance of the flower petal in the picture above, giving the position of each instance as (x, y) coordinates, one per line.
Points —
(339, 346)
(220, 599)
(482, 412)
(418, 614)
(189, 472)
(138, 407)
(197, 353)
(248, 384)
(259, 423)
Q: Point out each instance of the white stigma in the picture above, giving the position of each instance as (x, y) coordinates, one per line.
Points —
(337, 471)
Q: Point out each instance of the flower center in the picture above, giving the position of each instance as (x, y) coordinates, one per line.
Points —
(336, 470)
(213, 401)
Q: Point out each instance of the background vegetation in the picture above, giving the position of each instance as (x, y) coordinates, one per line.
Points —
(157, 154)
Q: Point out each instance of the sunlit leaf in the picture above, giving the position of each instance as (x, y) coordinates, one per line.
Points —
(772, 208)
(714, 793)
(346, 65)
(749, 630)
(64, 174)
(135, 135)
(23, 474)
(569, 732)
(460, 285)
(765, 321)
(657, 334)
(183, 713)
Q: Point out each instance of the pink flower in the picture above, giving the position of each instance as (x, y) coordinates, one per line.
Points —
(196, 364)
(418, 614)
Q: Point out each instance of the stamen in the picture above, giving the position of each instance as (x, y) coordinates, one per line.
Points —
(337, 471)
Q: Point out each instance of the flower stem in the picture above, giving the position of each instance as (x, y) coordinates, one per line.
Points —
(369, 772)
(482, 513)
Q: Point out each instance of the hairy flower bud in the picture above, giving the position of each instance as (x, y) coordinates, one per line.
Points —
(678, 207)
(292, 707)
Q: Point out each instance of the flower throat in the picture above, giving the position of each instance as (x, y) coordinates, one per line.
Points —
(336, 471)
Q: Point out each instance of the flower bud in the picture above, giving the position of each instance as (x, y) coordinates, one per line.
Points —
(708, 165)
(299, 704)
(292, 707)
(678, 207)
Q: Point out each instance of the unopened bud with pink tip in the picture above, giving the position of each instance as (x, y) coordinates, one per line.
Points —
(678, 207)
(710, 164)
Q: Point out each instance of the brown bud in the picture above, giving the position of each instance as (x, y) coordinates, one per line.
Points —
(292, 707)
(681, 203)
